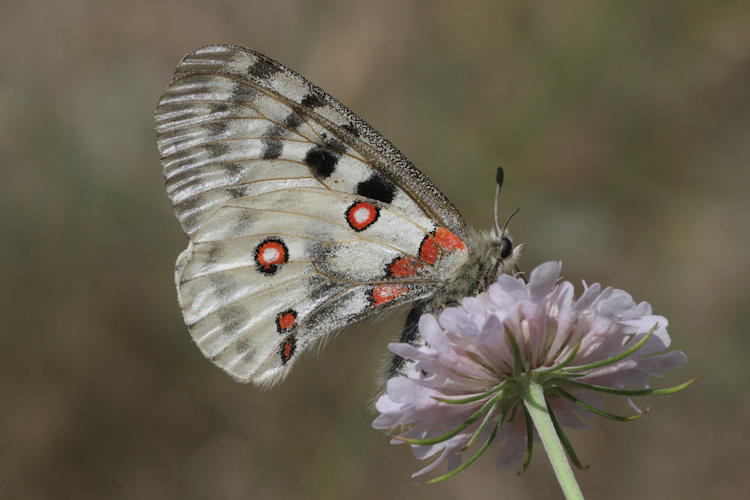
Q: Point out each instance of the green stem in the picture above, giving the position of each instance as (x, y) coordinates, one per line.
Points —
(533, 398)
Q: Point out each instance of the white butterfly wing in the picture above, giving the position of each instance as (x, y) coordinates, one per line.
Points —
(301, 218)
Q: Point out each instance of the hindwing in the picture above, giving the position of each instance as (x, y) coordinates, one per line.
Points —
(301, 218)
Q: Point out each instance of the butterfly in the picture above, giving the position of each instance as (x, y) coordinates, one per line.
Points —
(301, 218)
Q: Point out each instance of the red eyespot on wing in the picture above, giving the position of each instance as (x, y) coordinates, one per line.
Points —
(287, 349)
(382, 294)
(402, 267)
(448, 240)
(438, 241)
(429, 249)
(361, 215)
(270, 254)
(286, 320)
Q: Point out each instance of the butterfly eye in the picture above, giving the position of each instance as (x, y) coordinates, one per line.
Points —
(506, 247)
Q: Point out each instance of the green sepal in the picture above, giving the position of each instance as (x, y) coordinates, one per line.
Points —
(572, 354)
(516, 353)
(595, 410)
(529, 443)
(633, 392)
(486, 419)
(565, 441)
(471, 399)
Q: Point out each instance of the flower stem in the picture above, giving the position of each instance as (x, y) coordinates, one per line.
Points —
(533, 398)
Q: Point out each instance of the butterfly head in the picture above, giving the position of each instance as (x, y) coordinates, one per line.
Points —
(503, 251)
(491, 254)
(504, 243)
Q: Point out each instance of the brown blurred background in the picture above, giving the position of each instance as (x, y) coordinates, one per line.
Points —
(624, 129)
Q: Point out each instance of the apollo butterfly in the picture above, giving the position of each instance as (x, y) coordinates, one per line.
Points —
(301, 218)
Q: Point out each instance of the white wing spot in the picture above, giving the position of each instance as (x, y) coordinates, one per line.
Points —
(271, 255)
(362, 215)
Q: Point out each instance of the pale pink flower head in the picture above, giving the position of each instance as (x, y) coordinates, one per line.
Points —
(465, 384)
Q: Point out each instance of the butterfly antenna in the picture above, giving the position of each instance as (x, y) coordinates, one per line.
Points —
(509, 218)
(497, 199)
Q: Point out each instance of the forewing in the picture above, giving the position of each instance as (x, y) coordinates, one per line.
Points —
(301, 218)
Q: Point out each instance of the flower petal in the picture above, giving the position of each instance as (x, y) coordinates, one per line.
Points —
(543, 279)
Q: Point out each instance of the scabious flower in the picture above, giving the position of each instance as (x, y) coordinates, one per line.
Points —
(475, 378)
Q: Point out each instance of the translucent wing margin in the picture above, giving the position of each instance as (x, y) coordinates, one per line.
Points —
(301, 218)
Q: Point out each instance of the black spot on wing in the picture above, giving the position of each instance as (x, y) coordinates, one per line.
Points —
(216, 149)
(292, 121)
(242, 93)
(377, 187)
(273, 142)
(236, 192)
(263, 69)
(273, 138)
(218, 108)
(216, 128)
(242, 344)
(233, 170)
(322, 161)
(232, 319)
(334, 144)
(312, 101)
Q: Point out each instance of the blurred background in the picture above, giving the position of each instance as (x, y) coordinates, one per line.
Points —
(624, 130)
